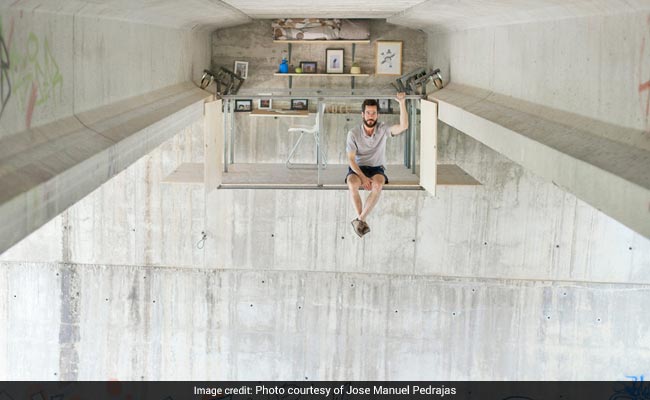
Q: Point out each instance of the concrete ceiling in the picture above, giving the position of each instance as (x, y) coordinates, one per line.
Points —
(446, 15)
(261, 9)
(429, 15)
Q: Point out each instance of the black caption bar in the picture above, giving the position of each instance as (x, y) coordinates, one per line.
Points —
(299, 390)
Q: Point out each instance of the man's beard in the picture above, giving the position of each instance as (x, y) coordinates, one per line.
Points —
(369, 124)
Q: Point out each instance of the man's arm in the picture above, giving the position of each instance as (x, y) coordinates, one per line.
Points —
(403, 116)
(365, 181)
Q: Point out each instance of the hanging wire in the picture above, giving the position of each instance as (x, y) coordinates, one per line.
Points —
(201, 243)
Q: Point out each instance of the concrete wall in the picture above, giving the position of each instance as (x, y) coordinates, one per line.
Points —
(254, 43)
(601, 72)
(134, 322)
(61, 63)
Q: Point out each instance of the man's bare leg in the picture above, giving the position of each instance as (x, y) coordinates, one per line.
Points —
(354, 182)
(377, 185)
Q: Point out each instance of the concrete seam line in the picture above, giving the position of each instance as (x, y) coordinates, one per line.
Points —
(438, 278)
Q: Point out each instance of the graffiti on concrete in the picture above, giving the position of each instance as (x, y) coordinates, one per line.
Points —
(35, 75)
(5, 82)
(29, 73)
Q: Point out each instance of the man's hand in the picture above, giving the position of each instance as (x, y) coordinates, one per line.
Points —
(403, 116)
(366, 182)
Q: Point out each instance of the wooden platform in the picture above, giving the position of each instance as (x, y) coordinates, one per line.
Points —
(277, 176)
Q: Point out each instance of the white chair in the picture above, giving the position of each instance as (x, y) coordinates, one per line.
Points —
(313, 130)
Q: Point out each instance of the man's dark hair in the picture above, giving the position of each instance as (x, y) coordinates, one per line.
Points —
(368, 102)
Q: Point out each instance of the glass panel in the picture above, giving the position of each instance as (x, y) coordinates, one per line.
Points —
(276, 140)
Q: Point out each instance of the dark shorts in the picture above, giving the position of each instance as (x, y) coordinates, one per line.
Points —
(368, 171)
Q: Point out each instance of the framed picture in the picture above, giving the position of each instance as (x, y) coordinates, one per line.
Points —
(299, 104)
(384, 106)
(241, 69)
(308, 67)
(243, 105)
(265, 103)
(334, 61)
(388, 57)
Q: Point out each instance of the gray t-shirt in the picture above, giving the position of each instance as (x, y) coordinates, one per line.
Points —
(371, 150)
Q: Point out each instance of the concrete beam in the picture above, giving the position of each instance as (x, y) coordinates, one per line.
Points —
(46, 169)
(574, 152)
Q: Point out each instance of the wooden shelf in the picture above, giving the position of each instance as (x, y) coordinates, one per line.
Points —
(335, 41)
(280, 113)
(320, 75)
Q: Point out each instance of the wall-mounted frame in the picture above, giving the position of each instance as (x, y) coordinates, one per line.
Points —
(265, 103)
(384, 106)
(388, 57)
(334, 61)
(241, 69)
(299, 104)
(243, 105)
(309, 67)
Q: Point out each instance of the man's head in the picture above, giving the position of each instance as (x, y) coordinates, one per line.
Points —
(369, 112)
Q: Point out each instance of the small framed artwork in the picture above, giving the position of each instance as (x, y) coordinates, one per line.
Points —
(388, 57)
(265, 103)
(299, 104)
(241, 69)
(334, 59)
(384, 106)
(243, 105)
(308, 67)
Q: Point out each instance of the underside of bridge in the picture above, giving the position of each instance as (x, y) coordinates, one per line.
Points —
(126, 251)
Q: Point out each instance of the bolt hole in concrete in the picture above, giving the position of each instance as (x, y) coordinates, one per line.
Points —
(630, 248)
(598, 319)
(272, 235)
(262, 281)
(396, 311)
(342, 237)
(251, 305)
(154, 301)
(107, 299)
(413, 240)
(352, 285)
(299, 308)
(453, 313)
(473, 290)
(548, 317)
(564, 294)
(484, 243)
(557, 246)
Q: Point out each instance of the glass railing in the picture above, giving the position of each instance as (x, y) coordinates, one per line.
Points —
(297, 138)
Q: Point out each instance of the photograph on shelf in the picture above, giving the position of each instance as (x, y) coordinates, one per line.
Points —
(308, 67)
(384, 106)
(388, 57)
(243, 105)
(299, 104)
(334, 59)
(265, 103)
(241, 69)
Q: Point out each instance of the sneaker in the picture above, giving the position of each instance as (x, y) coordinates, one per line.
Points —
(365, 227)
(358, 226)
